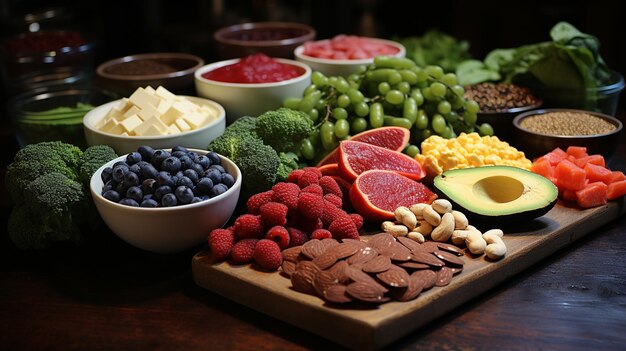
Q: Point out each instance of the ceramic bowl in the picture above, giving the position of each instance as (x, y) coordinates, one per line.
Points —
(167, 229)
(250, 99)
(197, 138)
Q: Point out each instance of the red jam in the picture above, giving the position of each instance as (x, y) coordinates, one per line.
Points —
(256, 68)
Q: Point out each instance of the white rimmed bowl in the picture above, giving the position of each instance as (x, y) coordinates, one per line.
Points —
(197, 138)
(167, 229)
(250, 99)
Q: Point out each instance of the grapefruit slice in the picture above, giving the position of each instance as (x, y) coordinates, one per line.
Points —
(329, 169)
(392, 138)
(356, 157)
(376, 194)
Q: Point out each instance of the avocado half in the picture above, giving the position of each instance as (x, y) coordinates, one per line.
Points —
(497, 193)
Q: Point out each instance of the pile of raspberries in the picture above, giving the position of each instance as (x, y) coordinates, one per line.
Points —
(308, 205)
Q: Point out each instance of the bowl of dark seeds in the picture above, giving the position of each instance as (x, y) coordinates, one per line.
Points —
(538, 132)
(499, 103)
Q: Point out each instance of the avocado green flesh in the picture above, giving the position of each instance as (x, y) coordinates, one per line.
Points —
(498, 191)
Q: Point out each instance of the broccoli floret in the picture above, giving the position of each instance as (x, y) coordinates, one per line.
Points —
(38, 159)
(243, 125)
(284, 128)
(25, 232)
(93, 158)
(288, 162)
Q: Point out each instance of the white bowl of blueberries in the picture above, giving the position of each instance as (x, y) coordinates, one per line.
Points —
(166, 200)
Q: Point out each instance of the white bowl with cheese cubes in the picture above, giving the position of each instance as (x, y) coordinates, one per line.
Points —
(155, 117)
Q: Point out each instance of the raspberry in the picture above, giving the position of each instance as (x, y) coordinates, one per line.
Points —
(294, 176)
(273, 213)
(280, 235)
(331, 212)
(309, 177)
(330, 186)
(334, 199)
(243, 250)
(310, 206)
(287, 194)
(344, 228)
(255, 201)
(313, 170)
(249, 226)
(221, 242)
(313, 188)
(267, 254)
(309, 225)
(297, 237)
(357, 219)
(321, 234)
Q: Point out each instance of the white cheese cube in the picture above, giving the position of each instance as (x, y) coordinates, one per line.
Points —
(153, 121)
(131, 123)
(117, 129)
(150, 90)
(182, 125)
(164, 105)
(152, 131)
(196, 119)
(142, 98)
(171, 115)
(133, 110)
(165, 94)
(107, 124)
(173, 129)
(184, 105)
(147, 112)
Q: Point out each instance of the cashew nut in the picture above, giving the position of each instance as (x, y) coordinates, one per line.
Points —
(416, 236)
(442, 206)
(475, 242)
(460, 220)
(423, 228)
(418, 210)
(495, 246)
(406, 217)
(497, 232)
(431, 216)
(458, 237)
(444, 230)
(394, 229)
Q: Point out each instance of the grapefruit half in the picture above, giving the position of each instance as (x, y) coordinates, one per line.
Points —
(376, 194)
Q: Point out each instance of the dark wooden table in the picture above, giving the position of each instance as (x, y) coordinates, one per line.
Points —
(110, 296)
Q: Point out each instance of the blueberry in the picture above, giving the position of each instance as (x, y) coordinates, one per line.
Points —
(121, 188)
(214, 157)
(171, 164)
(169, 200)
(133, 158)
(185, 162)
(184, 181)
(129, 202)
(164, 178)
(228, 179)
(197, 167)
(192, 155)
(149, 203)
(179, 154)
(162, 191)
(214, 174)
(146, 152)
(118, 172)
(204, 185)
(203, 161)
(148, 196)
(218, 167)
(148, 171)
(184, 194)
(110, 185)
(135, 168)
(180, 148)
(120, 163)
(106, 174)
(147, 186)
(112, 195)
(131, 179)
(135, 193)
(218, 189)
(158, 157)
(196, 199)
(191, 174)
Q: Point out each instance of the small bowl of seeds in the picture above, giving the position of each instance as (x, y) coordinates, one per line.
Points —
(538, 132)
(499, 103)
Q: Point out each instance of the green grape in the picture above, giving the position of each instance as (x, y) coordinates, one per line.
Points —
(449, 79)
(340, 113)
(342, 128)
(307, 149)
(416, 94)
(397, 121)
(394, 77)
(394, 97)
(470, 118)
(438, 89)
(314, 138)
(457, 102)
(292, 103)
(361, 109)
(307, 104)
(309, 89)
(422, 76)
(354, 77)
(393, 62)
(383, 61)
(485, 129)
(355, 95)
(446, 133)
(435, 72)
(428, 95)
(409, 76)
(379, 74)
(327, 135)
(377, 115)
(343, 100)
(342, 85)
(404, 87)
(314, 114)
(332, 81)
(358, 125)
(458, 90)
(384, 87)
(319, 79)
(422, 119)
(444, 107)
(426, 133)
(409, 110)
(412, 150)
(451, 117)
(438, 124)
(320, 105)
(472, 106)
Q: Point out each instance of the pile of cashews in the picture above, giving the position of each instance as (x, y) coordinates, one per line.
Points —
(441, 223)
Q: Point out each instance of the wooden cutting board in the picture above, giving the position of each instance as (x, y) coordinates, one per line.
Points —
(369, 329)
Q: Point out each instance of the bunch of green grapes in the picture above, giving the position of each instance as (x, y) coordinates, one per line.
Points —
(390, 92)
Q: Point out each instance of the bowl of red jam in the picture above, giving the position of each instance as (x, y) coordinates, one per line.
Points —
(253, 84)
(343, 55)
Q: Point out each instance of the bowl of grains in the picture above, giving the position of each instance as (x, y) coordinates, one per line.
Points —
(538, 132)
(499, 104)
(172, 70)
